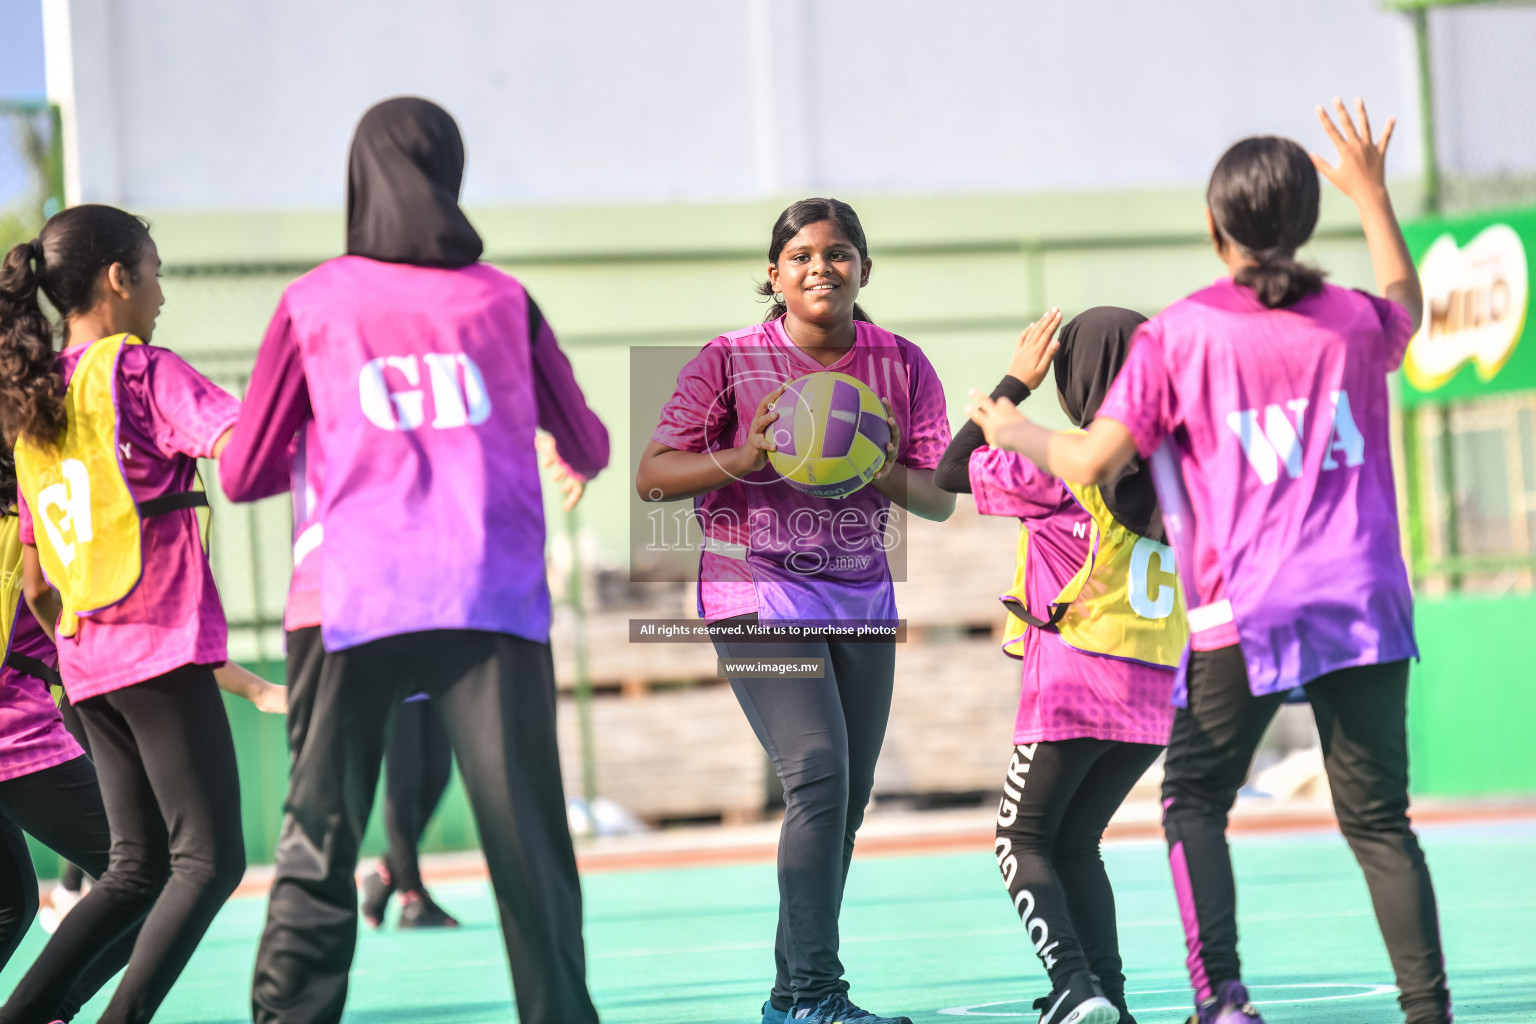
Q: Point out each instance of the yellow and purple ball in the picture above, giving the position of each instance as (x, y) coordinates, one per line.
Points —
(831, 434)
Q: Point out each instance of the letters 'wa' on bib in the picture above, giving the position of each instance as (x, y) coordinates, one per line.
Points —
(86, 521)
(1124, 602)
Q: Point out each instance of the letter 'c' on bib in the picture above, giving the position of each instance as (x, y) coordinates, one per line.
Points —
(1125, 601)
(86, 521)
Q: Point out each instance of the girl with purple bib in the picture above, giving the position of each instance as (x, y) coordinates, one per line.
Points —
(138, 654)
(1094, 707)
(775, 553)
(418, 376)
(1265, 399)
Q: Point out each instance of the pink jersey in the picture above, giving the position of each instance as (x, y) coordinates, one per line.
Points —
(1067, 693)
(169, 416)
(769, 548)
(424, 386)
(32, 735)
(1277, 428)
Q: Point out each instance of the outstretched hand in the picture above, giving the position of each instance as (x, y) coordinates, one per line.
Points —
(572, 487)
(1362, 167)
(1036, 347)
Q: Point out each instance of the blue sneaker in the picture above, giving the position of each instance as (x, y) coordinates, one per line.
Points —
(772, 1016)
(837, 1009)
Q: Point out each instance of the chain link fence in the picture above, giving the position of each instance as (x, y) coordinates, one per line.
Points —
(1475, 62)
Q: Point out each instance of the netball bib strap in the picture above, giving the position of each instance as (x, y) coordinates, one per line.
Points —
(173, 503)
(1124, 602)
(10, 572)
(87, 522)
(34, 667)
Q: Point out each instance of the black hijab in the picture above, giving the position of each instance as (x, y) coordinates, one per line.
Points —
(403, 178)
(1094, 345)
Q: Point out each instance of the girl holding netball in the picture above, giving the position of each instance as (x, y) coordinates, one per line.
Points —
(1097, 620)
(418, 376)
(107, 434)
(774, 552)
(1267, 393)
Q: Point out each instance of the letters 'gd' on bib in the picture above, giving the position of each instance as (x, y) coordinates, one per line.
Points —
(88, 524)
(1125, 602)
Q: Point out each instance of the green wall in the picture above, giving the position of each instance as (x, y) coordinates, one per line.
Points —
(1472, 699)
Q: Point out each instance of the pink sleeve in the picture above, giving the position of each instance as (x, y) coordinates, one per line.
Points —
(928, 423)
(256, 462)
(186, 413)
(1396, 325)
(24, 517)
(1007, 484)
(580, 437)
(1142, 397)
(694, 418)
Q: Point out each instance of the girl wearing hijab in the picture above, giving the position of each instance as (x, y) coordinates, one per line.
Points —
(417, 376)
(1096, 619)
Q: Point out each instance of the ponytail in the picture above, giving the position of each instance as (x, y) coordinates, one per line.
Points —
(31, 390)
(1278, 280)
(65, 263)
(1263, 197)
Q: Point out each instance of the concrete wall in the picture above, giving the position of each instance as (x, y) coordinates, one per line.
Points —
(178, 104)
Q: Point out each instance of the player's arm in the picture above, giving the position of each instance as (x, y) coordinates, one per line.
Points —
(242, 682)
(1361, 175)
(1092, 456)
(42, 599)
(670, 474)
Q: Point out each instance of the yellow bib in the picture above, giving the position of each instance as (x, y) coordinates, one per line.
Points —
(1125, 601)
(10, 573)
(86, 522)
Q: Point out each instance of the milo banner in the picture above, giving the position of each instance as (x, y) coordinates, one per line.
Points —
(1476, 338)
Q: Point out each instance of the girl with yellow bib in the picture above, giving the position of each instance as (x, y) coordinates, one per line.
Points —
(108, 432)
(1096, 618)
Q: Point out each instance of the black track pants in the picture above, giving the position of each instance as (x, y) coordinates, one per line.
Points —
(417, 764)
(1362, 721)
(495, 695)
(61, 807)
(1058, 797)
(823, 736)
(166, 765)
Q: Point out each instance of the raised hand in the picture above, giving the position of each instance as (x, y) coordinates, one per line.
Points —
(1036, 348)
(571, 485)
(1362, 168)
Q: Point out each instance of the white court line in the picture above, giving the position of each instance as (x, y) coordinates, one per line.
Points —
(1368, 990)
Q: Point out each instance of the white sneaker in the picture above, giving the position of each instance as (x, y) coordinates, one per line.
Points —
(58, 903)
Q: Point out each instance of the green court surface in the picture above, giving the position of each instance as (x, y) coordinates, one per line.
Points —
(934, 937)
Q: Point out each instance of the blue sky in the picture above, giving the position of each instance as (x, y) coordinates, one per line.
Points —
(21, 55)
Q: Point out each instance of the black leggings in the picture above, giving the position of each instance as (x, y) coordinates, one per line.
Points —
(496, 696)
(417, 764)
(172, 797)
(823, 736)
(71, 876)
(1362, 721)
(1058, 796)
(61, 807)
